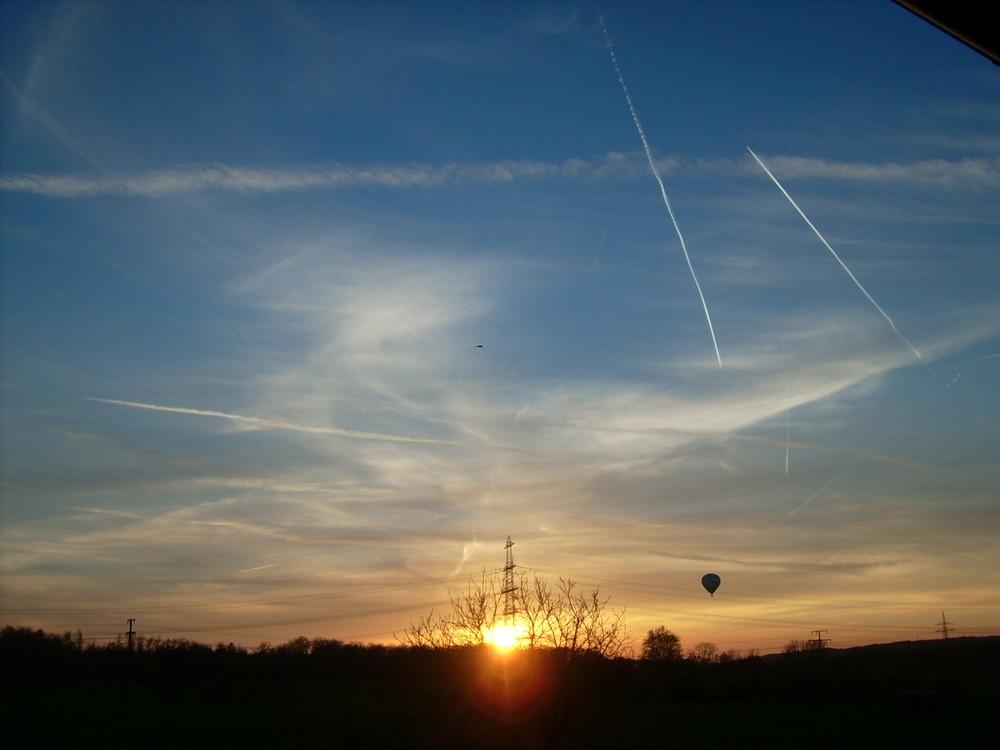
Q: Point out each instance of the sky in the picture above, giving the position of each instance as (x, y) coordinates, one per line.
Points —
(307, 306)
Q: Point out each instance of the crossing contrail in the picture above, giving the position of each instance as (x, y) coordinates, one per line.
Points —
(656, 174)
(821, 490)
(281, 425)
(834, 252)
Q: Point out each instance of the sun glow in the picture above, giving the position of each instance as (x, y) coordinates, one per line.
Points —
(504, 636)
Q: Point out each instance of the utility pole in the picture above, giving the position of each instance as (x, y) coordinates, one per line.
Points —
(131, 633)
(509, 589)
(819, 641)
(943, 629)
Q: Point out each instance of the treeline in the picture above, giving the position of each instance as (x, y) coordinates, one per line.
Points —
(58, 690)
(942, 665)
(36, 655)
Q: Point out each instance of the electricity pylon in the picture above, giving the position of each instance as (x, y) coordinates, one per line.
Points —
(943, 629)
(509, 589)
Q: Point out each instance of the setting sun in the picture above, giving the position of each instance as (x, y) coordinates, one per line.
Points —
(504, 636)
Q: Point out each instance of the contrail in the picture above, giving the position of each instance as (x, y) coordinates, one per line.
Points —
(786, 441)
(47, 121)
(259, 567)
(820, 491)
(834, 252)
(656, 174)
(759, 439)
(278, 425)
(787, 434)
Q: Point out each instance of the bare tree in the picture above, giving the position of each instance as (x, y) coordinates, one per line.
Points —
(538, 610)
(586, 623)
(706, 651)
(559, 617)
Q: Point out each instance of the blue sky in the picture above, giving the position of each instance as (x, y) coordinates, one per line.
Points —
(307, 306)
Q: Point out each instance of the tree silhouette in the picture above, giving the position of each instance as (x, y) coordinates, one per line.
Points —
(705, 652)
(545, 616)
(661, 644)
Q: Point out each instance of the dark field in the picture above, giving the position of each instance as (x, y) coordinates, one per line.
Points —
(325, 716)
(923, 694)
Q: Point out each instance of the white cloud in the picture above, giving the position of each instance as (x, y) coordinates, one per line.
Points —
(969, 174)
(938, 173)
(327, 177)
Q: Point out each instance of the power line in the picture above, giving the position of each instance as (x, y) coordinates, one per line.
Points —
(304, 620)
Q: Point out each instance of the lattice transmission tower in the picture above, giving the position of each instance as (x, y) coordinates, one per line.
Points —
(819, 642)
(509, 589)
(943, 628)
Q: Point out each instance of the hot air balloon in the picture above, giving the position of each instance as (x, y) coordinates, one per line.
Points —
(711, 582)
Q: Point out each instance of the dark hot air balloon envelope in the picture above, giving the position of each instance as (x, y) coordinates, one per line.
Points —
(711, 582)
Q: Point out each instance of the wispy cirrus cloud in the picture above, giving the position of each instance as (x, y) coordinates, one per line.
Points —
(49, 123)
(942, 173)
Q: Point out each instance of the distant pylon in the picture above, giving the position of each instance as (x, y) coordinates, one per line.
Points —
(943, 629)
(509, 589)
(819, 642)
